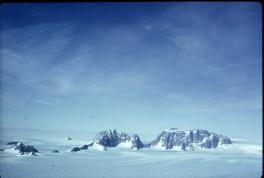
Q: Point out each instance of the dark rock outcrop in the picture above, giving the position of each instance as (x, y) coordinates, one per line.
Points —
(25, 149)
(185, 139)
(55, 151)
(224, 140)
(68, 138)
(112, 138)
(136, 142)
(85, 147)
(75, 149)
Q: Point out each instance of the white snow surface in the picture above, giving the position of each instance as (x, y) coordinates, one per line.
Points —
(126, 144)
(159, 145)
(242, 159)
(97, 146)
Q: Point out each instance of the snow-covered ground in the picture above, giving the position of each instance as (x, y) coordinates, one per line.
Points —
(242, 159)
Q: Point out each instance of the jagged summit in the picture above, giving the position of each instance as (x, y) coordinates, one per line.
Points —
(188, 139)
(112, 138)
(172, 138)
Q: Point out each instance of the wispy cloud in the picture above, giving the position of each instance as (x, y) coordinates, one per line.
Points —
(186, 58)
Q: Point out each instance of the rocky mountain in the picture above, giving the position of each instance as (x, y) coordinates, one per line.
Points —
(23, 149)
(167, 139)
(188, 139)
(136, 142)
(112, 138)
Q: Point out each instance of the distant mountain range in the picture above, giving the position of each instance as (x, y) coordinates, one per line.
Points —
(168, 139)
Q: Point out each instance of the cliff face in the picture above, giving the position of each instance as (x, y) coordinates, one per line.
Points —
(112, 138)
(136, 142)
(167, 139)
(187, 138)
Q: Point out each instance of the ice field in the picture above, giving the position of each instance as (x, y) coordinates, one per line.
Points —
(242, 159)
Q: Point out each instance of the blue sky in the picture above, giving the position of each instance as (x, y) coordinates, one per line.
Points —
(140, 67)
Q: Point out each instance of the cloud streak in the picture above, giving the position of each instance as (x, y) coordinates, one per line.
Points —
(185, 58)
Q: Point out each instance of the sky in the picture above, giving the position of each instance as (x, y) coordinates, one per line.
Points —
(136, 67)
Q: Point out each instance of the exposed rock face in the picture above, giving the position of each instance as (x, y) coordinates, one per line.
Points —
(75, 149)
(186, 139)
(136, 142)
(113, 138)
(168, 139)
(25, 149)
(84, 147)
(224, 140)
(55, 151)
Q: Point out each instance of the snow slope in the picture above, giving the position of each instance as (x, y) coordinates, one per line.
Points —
(241, 160)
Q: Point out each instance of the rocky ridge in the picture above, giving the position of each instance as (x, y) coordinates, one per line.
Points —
(188, 139)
